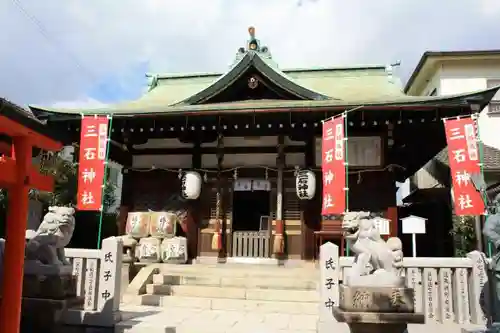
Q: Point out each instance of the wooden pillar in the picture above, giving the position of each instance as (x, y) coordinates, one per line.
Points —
(279, 236)
(194, 209)
(392, 214)
(218, 228)
(311, 218)
(17, 214)
(126, 201)
(127, 195)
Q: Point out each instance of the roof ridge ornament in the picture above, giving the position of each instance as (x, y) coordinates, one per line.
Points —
(253, 43)
(389, 69)
(254, 46)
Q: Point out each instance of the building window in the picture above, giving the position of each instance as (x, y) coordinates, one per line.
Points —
(494, 107)
(434, 92)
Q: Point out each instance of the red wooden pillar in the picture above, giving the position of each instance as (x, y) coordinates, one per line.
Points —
(392, 214)
(13, 265)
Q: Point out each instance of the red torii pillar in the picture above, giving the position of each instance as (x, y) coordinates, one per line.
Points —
(18, 176)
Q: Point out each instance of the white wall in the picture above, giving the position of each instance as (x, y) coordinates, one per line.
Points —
(462, 77)
(433, 83)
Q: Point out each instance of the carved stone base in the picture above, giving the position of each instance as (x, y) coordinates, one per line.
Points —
(371, 322)
(378, 328)
(376, 299)
(33, 267)
(55, 287)
(381, 279)
(44, 315)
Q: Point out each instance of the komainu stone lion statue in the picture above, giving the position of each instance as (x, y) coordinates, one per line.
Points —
(47, 244)
(376, 263)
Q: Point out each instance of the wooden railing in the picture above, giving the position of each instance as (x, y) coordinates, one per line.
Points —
(98, 282)
(446, 290)
(251, 244)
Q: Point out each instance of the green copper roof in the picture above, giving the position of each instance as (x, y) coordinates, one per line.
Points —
(134, 108)
(315, 88)
(339, 83)
(265, 67)
(347, 86)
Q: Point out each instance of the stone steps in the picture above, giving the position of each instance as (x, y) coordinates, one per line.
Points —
(237, 271)
(228, 298)
(228, 304)
(239, 287)
(250, 282)
(234, 293)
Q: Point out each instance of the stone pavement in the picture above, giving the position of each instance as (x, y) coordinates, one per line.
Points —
(233, 298)
(146, 319)
(143, 319)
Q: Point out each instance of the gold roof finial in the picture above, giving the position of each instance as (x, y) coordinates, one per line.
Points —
(251, 31)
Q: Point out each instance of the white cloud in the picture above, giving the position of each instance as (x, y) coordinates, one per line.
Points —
(110, 37)
(489, 8)
(84, 102)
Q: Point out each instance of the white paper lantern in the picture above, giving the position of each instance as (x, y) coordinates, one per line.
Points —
(191, 185)
(305, 184)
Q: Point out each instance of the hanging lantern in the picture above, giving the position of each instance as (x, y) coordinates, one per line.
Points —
(305, 184)
(191, 185)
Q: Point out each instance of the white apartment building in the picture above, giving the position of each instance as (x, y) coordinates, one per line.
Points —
(456, 72)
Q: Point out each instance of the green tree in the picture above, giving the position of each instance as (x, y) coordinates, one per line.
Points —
(464, 235)
(65, 175)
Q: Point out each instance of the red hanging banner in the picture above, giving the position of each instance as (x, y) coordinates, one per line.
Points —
(463, 156)
(93, 146)
(333, 167)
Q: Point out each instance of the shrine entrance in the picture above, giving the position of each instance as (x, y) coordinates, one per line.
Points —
(251, 220)
(18, 175)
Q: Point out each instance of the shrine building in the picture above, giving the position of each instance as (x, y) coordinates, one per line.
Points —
(248, 131)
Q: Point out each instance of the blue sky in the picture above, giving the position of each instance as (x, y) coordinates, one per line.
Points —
(118, 86)
(83, 53)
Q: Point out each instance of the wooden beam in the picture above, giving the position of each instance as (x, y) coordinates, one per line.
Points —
(40, 182)
(213, 150)
(7, 171)
(8, 174)
(5, 148)
(119, 155)
(14, 129)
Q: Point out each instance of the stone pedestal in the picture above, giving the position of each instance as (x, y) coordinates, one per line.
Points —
(377, 322)
(376, 299)
(51, 287)
(48, 281)
(44, 315)
(48, 291)
(377, 309)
